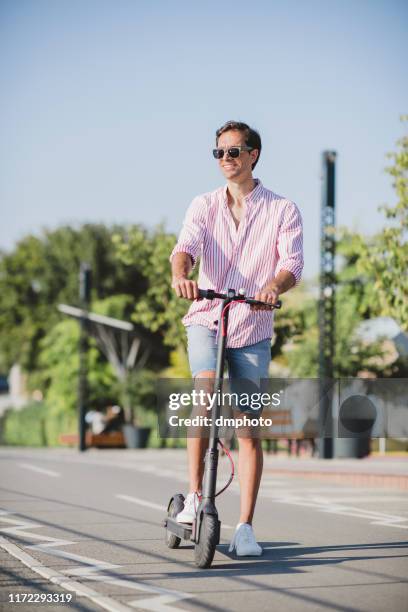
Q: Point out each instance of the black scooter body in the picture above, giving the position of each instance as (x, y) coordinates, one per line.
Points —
(205, 530)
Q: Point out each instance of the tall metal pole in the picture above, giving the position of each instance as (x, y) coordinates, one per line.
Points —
(84, 297)
(327, 306)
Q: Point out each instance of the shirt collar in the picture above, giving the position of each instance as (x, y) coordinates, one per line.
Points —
(252, 197)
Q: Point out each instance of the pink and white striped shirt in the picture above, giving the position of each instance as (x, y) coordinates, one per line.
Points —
(268, 239)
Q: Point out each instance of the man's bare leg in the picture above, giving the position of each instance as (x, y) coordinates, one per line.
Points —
(250, 464)
(196, 447)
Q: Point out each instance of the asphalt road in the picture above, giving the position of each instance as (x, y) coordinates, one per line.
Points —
(89, 525)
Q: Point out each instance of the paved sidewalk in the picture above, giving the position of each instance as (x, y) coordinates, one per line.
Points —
(376, 471)
(390, 472)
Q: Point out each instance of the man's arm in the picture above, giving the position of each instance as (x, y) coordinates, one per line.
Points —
(188, 248)
(290, 264)
(270, 293)
(181, 266)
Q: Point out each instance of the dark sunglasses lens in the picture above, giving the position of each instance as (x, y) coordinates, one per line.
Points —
(218, 153)
(233, 152)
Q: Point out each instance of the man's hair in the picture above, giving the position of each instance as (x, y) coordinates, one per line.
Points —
(252, 137)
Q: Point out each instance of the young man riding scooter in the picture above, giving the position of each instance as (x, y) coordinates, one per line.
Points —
(246, 236)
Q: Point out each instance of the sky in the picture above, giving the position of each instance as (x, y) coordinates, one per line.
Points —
(109, 108)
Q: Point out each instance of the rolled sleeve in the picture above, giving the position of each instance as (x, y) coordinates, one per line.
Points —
(191, 237)
(290, 242)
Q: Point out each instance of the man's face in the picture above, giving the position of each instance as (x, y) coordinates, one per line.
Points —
(238, 167)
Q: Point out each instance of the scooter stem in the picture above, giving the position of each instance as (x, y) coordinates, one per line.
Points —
(211, 459)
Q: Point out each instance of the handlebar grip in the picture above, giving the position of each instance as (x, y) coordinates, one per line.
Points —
(258, 303)
(207, 294)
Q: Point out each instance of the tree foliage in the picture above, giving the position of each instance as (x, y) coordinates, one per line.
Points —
(372, 281)
(42, 271)
(59, 363)
(25, 427)
(352, 355)
(158, 309)
(383, 260)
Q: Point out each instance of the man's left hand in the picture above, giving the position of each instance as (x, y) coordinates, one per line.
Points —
(269, 295)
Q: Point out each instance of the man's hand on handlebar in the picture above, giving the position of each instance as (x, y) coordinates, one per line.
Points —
(186, 288)
(269, 295)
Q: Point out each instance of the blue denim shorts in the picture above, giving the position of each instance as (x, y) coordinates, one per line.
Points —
(249, 363)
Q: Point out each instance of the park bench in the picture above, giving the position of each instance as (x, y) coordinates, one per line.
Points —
(112, 439)
(282, 429)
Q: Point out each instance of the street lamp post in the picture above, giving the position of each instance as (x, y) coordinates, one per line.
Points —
(327, 305)
(84, 297)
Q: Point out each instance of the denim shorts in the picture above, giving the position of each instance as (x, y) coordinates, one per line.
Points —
(250, 363)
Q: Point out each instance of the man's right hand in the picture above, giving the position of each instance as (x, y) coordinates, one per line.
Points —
(185, 288)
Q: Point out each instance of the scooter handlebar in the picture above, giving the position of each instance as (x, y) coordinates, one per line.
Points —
(259, 303)
(210, 294)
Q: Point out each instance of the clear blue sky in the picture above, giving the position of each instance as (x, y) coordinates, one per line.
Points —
(109, 108)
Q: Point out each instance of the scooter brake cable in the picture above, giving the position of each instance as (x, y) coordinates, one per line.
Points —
(232, 469)
(222, 316)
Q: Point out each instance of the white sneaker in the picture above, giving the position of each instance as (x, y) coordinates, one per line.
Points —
(188, 514)
(244, 542)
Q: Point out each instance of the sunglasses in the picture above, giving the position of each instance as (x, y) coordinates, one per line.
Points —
(233, 152)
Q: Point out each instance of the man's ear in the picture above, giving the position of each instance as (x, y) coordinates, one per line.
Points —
(254, 155)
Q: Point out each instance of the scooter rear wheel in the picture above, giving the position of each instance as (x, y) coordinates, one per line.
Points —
(204, 550)
(176, 506)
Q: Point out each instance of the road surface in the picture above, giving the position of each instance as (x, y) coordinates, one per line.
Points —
(89, 525)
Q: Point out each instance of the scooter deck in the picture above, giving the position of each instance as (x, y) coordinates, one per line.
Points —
(181, 530)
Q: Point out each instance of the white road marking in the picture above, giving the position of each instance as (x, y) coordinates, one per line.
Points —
(20, 526)
(143, 502)
(161, 603)
(323, 489)
(57, 578)
(44, 471)
(363, 498)
(175, 473)
(327, 505)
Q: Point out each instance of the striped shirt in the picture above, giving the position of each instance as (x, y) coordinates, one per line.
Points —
(268, 239)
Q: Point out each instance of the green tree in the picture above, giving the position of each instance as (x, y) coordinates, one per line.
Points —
(352, 355)
(372, 282)
(384, 258)
(158, 309)
(57, 376)
(42, 271)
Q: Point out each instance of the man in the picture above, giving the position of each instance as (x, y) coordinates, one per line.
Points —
(247, 237)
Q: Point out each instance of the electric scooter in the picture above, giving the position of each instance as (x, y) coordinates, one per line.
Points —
(205, 530)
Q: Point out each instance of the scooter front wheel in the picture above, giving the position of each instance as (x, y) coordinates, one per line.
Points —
(204, 549)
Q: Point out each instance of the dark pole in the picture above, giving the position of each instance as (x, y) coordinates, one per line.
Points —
(84, 297)
(327, 310)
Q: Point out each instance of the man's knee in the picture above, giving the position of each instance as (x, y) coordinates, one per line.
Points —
(203, 381)
(206, 374)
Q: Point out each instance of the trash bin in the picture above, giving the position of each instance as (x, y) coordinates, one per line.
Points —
(351, 447)
(136, 437)
(357, 416)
